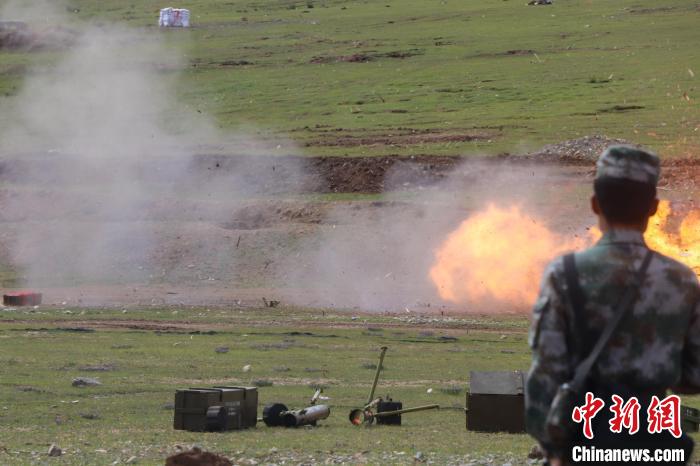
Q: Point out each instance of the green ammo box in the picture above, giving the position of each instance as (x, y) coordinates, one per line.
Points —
(237, 408)
(690, 419)
(191, 408)
(496, 402)
(249, 404)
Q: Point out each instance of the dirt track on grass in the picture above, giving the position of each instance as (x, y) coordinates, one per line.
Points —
(454, 325)
(355, 174)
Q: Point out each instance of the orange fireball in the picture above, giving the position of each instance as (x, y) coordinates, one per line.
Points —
(496, 256)
(683, 244)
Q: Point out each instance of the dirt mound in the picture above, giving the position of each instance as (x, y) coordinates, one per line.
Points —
(197, 457)
(585, 149)
(369, 174)
(338, 174)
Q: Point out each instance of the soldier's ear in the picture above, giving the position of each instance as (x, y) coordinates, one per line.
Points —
(595, 206)
(653, 207)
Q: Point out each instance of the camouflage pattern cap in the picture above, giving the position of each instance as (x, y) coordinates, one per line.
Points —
(629, 163)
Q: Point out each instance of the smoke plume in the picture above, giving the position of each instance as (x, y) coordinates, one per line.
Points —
(106, 173)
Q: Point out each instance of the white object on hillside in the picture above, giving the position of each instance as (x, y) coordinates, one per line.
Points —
(174, 17)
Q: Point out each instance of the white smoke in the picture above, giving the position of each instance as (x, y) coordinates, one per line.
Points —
(104, 178)
(35, 12)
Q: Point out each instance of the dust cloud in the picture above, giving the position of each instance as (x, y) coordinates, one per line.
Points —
(385, 261)
(35, 12)
(107, 175)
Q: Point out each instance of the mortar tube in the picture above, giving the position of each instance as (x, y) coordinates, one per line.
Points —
(376, 375)
(372, 404)
(405, 410)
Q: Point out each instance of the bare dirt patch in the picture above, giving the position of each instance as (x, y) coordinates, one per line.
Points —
(452, 326)
(505, 53)
(234, 63)
(364, 57)
(354, 58)
(355, 174)
(399, 139)
(620, 108)
(369, 174)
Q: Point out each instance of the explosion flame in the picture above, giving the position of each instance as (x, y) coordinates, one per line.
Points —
(673, 235)
(683, 244)
(498, 255)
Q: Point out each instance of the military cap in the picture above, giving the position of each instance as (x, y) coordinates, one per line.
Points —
(629, 163)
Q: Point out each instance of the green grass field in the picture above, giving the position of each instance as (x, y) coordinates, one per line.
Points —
(40, 357)
(42, 350)
(514, 75)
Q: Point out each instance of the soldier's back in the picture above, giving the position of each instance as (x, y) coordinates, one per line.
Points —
(646, 351)
(645, 356)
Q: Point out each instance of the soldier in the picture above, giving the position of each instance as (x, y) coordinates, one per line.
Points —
(657, 343)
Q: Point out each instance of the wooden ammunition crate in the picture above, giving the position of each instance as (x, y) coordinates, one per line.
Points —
(191, 407)
(21, 298)
(249, 404)
(496, 402)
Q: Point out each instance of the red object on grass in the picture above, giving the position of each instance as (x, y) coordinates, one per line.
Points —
(21, 298)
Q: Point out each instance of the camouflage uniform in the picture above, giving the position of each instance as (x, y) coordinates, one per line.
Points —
(655, 346)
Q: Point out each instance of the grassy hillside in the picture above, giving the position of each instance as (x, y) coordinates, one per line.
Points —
(428, 76)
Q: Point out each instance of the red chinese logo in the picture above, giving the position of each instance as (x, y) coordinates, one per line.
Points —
(661, 415)
(625, 415)
(665, 415)
(587, 412)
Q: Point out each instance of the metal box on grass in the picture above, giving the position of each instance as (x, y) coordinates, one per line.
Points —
(21, 298)
(496, 401)
(389, 405)
(690, 419)
(249, 403)
(191, 408)
(215, 409)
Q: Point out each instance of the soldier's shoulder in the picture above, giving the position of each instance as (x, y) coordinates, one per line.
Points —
(555, 267)
(675, 271)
